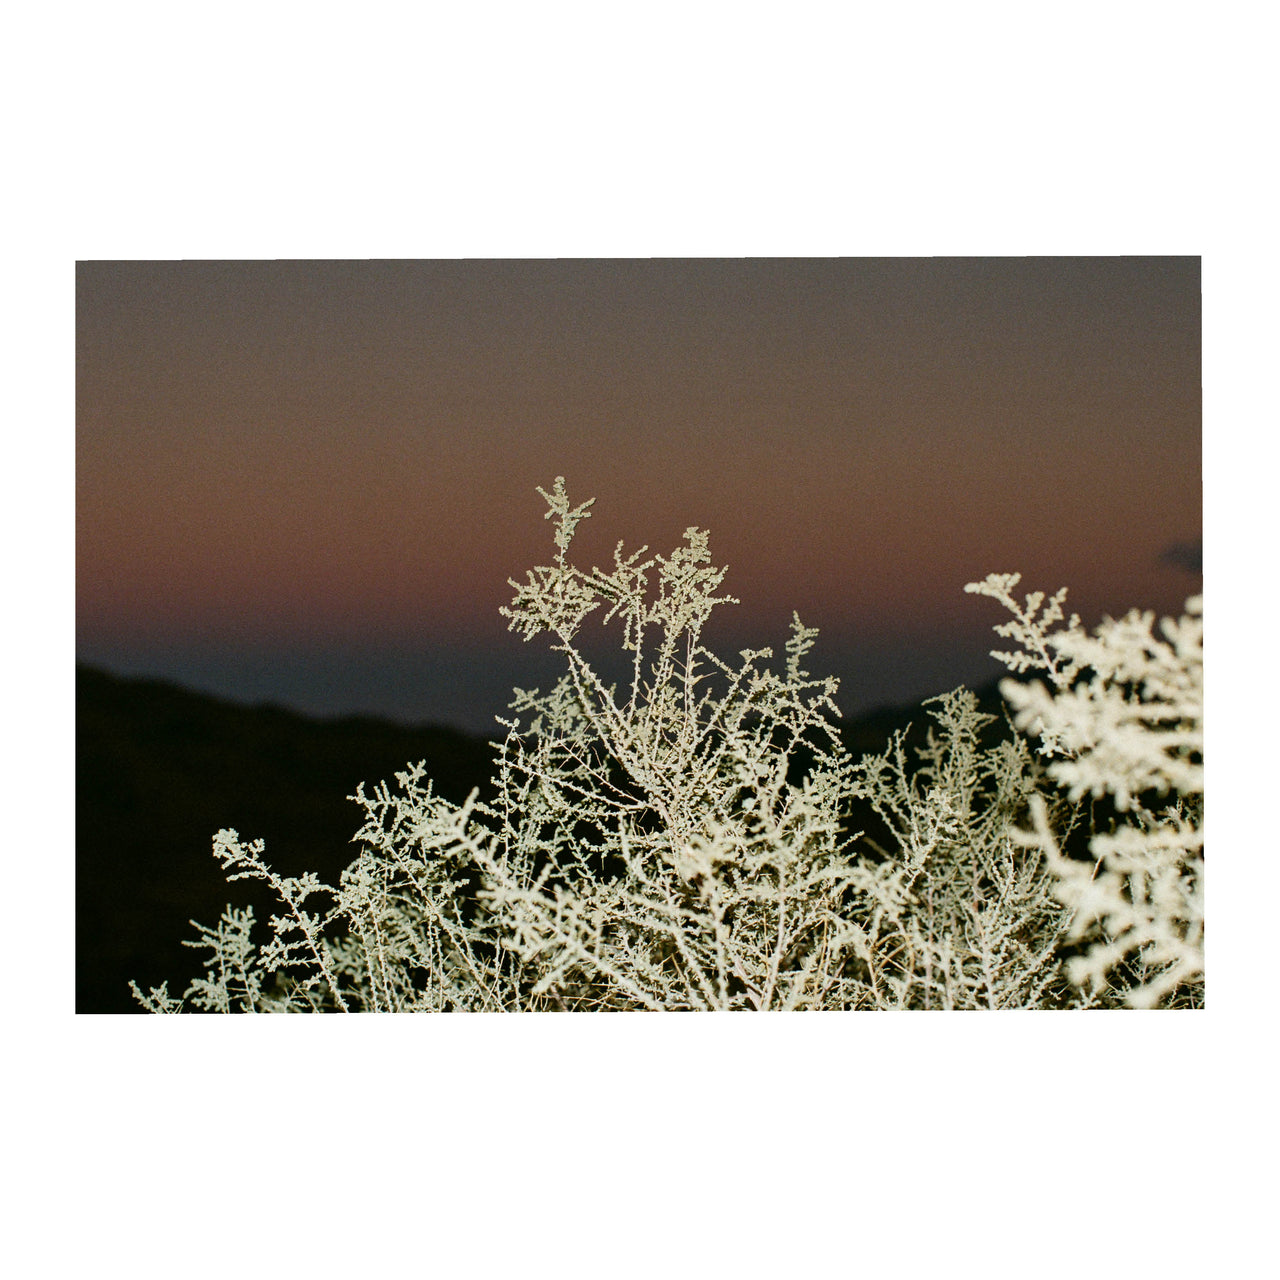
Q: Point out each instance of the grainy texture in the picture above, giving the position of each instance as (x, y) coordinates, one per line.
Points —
(683, 842)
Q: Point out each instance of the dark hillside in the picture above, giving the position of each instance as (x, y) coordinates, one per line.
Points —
(159, 769)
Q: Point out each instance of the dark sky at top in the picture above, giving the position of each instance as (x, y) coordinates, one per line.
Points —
(308, 482)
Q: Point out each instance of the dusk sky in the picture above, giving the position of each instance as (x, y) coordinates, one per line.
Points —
(308, 482)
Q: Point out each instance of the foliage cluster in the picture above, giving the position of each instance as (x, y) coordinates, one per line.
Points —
(682, 840)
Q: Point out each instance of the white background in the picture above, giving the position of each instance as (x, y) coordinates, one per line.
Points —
(600, 1146)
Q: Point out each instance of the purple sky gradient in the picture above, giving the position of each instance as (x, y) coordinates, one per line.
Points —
(308, 482)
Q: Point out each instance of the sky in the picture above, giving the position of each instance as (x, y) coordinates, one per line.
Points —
(309, 482)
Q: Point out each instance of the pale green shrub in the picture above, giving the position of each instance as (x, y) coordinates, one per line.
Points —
(1122, 716)
(983, 928)
(684, 842)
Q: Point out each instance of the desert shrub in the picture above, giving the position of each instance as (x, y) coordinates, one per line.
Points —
(1121, 716)
(982, 928)
(679, 839)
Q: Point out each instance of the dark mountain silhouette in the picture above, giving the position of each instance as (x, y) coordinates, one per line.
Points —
(160, 768)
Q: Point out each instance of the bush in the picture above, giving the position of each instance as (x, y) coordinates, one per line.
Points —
(684, 841)
(1122, 717)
